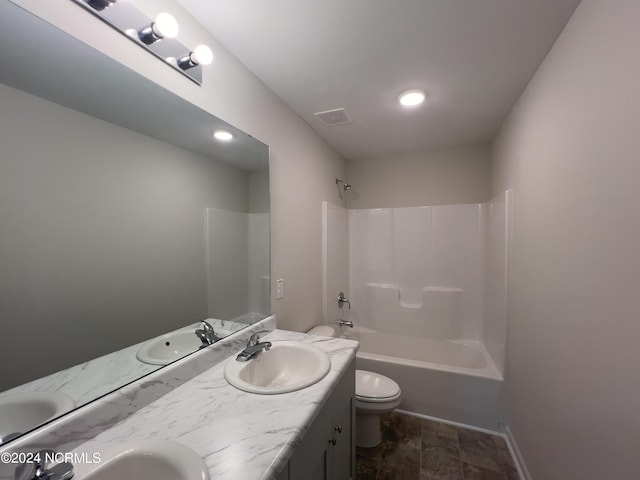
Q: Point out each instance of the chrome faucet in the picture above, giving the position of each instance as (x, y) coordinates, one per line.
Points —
(38, 469)
(342, 300)
(254, 346)
(206, 334)
(345, 323)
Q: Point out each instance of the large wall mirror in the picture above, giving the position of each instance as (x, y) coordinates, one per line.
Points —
(123, 224)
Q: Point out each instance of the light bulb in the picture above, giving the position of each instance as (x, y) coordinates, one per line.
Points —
(165, 26)
(412, 98)
(222, 135)
(202, 55)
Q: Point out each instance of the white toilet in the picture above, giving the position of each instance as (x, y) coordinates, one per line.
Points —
(375, 395)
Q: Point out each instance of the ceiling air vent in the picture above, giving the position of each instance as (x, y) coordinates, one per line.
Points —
(331, 118)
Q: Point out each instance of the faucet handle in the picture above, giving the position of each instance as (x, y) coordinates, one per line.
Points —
(255, 338)
(41, 460)
(206, 326)
(342, 300)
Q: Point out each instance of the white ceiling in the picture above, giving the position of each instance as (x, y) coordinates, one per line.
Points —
(472, 57)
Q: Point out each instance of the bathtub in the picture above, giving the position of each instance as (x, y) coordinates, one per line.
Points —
(448, 379)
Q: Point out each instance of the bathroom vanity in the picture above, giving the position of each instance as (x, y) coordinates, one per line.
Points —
(303, 434)
(327, 449)
(298, 435)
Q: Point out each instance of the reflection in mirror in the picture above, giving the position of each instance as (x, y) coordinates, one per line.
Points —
(122, 220)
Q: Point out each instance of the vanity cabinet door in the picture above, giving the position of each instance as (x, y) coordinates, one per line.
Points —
(311, 459)
(342, 452)
(327, 450)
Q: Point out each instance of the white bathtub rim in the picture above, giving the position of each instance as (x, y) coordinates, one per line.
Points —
(490, 371)
(503, 431)
(486, 372)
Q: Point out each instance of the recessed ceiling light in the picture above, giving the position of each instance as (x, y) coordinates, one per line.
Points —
(222, 135)
(412, 98)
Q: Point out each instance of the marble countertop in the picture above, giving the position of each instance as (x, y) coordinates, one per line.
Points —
(239, 435)
(94, 378)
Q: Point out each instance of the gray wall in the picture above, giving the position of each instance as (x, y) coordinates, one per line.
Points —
(259, 200)
(571, 151)
(102, 238)
(303, 165)
(461, 175)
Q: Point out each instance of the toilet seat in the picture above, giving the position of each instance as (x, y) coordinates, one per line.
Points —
(373, 387)
(377, 400)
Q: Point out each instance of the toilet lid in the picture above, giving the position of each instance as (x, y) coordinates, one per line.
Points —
(375, 386)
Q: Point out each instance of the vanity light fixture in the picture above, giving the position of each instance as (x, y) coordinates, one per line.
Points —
(222, 135)
(164, 26)
(412, 98)
(157, 36)
(100, 5)
(201, 55)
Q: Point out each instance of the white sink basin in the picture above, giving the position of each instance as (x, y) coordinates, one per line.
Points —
(21, 412)
(145, 460)
(169, 347)
(287, 367)
(173, 346)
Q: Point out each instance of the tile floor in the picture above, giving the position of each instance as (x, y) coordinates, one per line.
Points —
(414, 448)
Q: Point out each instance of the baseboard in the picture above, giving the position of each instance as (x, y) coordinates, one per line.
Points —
(451, 422)
(516, 453)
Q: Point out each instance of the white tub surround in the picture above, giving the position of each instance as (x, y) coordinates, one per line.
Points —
(429, 312)
(432, 272)
(239, 435)
(428, 296)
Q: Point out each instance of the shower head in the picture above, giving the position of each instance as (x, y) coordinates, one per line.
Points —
(345, 185)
